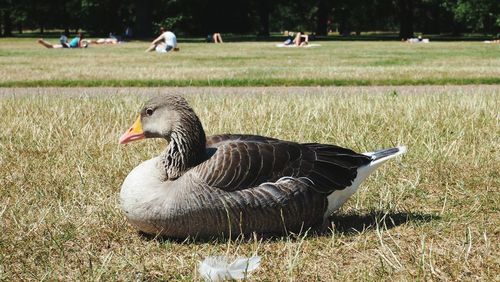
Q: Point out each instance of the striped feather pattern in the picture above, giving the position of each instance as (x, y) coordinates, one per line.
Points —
(244, 161)
(272, 208)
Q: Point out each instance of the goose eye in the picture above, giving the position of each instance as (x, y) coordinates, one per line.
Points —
(149, 111)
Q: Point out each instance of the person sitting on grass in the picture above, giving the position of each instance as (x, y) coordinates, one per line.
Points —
(301, 39)
(76, 42)
(164, 43)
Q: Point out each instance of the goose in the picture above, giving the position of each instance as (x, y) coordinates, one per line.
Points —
(231, 184)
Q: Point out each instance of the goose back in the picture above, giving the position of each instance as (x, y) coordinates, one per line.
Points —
(244, 161)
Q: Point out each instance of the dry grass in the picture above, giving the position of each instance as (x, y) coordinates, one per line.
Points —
(24, 62)
(431, 215)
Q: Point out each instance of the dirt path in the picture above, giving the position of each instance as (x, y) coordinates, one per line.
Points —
(343, 90)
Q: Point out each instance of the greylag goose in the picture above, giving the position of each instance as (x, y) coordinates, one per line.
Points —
(234, 184)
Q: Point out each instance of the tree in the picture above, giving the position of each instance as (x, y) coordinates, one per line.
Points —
(322, 17)
(1, 23)
(294, 15)
(476, 15)
(263, 8)
(6, 8)
(406, 9)
(342, 16)
(144, 20)
(200, 17)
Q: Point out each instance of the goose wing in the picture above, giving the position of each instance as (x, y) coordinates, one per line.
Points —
(245, 161)
(216, 140)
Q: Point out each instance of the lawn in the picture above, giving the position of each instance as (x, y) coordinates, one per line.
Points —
(23, 62)
(432, 214)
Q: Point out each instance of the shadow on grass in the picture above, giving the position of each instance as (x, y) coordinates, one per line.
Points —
(345, 224)
(350, 224)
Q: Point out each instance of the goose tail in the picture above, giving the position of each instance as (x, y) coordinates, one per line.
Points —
(378, 158)
(381, 156)
(339, 197)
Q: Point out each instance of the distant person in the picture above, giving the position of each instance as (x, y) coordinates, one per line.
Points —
(128, 32)
(300, 39)
(164, 43)
(289, 38)
(215, 38)
(419, 39)
(112, 39)
(76, 42)
(116, 37)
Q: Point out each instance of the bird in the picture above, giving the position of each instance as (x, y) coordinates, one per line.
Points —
(234, 184)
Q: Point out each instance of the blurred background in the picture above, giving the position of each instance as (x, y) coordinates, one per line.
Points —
(256, 18)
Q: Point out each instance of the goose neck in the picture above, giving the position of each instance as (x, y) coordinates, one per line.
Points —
(185, 150)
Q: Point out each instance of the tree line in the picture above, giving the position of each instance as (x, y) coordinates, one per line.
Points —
(201, 17)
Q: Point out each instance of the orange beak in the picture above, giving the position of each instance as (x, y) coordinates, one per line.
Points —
(133, 133)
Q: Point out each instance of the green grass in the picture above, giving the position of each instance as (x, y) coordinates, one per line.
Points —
(247, 82)
(24, 63)
(430, 215)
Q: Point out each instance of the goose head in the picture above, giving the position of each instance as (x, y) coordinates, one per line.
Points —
(162, 117)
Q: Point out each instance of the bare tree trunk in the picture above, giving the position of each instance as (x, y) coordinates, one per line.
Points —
(405, 9)
(344, 26)
(7, 23)
(1, 23)
(322, 18)
(144, 25)
(65, 18)
(263, 10)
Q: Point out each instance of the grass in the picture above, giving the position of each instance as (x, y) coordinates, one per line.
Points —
(431, 215)
(24, 63)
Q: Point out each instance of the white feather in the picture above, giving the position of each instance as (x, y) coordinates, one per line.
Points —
(218, 268)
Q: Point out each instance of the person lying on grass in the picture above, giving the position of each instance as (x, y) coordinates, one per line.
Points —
(215, 38)
(76, 42)
(112, 39)
(299, 40)
(164, 43)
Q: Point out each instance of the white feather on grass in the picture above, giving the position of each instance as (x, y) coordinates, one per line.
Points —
(218, 268)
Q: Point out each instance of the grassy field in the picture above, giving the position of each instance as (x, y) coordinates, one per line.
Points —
(432, 214)
(23, 62)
